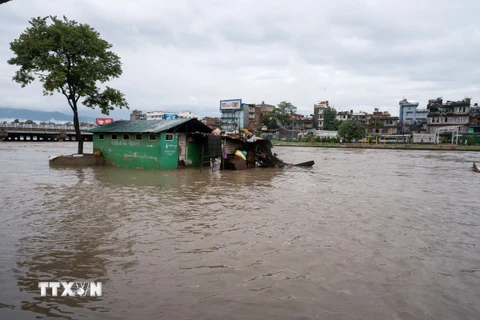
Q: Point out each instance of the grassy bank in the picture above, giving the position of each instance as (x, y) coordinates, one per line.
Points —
(399, 146)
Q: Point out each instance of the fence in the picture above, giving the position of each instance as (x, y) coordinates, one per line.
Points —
(61, 127)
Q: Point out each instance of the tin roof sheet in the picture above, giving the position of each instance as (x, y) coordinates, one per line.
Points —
(149, 126)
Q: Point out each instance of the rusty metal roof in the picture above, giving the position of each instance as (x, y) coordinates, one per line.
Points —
(151, 126)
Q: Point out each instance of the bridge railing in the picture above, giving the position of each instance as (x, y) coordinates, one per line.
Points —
(61, 127)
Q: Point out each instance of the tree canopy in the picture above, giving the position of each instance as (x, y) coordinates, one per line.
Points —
(69, 58)
(351, 129)
(282, 113)
(330, 121)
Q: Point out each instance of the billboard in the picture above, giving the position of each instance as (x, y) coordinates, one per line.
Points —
(170, 116)
(233, 104)
(101, 121)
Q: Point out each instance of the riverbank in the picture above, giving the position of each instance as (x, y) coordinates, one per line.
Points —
(443, 147)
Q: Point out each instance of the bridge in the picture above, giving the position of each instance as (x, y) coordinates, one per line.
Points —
(39, 133)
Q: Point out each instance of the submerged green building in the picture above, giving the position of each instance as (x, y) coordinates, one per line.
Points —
(153, 144)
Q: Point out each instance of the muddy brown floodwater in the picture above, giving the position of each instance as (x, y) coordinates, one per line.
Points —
(364, 234)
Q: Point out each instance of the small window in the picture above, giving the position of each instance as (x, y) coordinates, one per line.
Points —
(126, 137)
(100, 136)
(138, 137)
(114, 136)
(169, 137)
(152, 137)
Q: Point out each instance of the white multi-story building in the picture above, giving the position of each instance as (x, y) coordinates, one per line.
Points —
(156, 115)
(318, 114)
(187, 114)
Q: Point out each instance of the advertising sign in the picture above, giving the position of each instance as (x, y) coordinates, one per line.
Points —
(101, 121)
(233, 104)
(170, 116)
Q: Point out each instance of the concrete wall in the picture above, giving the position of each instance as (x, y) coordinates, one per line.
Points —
(423, 138)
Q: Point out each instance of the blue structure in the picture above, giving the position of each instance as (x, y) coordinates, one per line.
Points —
(170, 116)
(408, 111)
(411, 118)
(235, 115)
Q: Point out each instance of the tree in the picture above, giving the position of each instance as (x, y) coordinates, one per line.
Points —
(270, 121)
(351, 129)
(375, 124)
(69, 58)
(283, 112)
(330, 121)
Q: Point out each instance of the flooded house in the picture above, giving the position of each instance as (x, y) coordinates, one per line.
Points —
(154, 144)
(177, 143)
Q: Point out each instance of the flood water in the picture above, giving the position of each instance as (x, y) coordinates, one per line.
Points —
(364, 234)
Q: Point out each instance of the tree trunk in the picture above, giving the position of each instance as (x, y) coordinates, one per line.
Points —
(77, 131)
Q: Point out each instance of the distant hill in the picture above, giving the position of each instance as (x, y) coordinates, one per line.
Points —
(36, 115)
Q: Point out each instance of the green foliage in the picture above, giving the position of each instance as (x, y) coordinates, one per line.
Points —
(443, 140)
(317, 139)
(30, 122)
(69, 58)
(330, 121)
(285, 108)
(333, 140)
(377, 123)
(308, 138)
(270, 121)
(471, 141)
(282, 113)
(351, 130)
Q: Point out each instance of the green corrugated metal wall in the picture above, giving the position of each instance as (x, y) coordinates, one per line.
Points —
(169, 151)
(194, 154)
(133, 153)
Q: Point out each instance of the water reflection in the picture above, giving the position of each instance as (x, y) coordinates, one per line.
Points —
(367, 234)
(68, 241)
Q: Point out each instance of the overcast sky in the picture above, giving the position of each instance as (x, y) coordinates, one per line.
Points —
(178, 55)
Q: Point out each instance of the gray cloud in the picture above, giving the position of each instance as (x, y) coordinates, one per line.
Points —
(188, 54)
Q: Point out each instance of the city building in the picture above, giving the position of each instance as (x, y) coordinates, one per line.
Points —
(474, 120)
(344, 115)
(156, 115)
(409, 107)
(255, 117)
(235, 115)
(265, 108)
(137, 115)
(381, 123)
(213, 123)
(187, 115)
(448, 114)
(318, 114)
(358, 116)
(412, 119)
(305, 123)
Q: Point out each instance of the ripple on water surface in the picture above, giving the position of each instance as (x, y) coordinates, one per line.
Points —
(363, 234)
